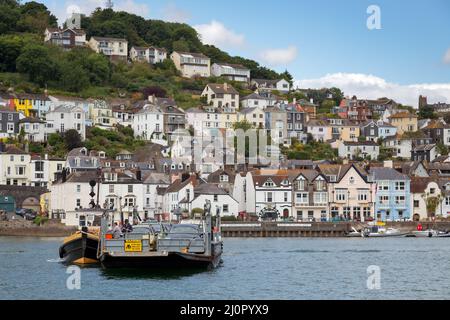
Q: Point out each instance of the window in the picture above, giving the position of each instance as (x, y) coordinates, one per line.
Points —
(269, 183)
(320, 197)
(39, 166)
(432, 190)
(356, 212)
(225, 208)
(129, 202)
(400, 200)
(366, 212)
(216, 198)
(301, 198)
(362, 195)
(383, 186)
(320, 185)
(301, 184)
(78, 203)
(347, 212)
(10, 117)
(447, 201)
(20, 171)
(285, 197)
(384, 200)
(111, 188)
(78, 188)
(400, 186)
(130, 188)
(223, 178)
(269, 197)
(341, 194)
(416, 203)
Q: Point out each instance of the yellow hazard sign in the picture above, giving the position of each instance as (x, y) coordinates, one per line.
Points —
(133, 246)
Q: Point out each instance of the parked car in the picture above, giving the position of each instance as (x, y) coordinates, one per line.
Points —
(27, 214)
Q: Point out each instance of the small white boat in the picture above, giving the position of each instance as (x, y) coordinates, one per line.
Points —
(354, 233)
(381, 232)
(425, 233)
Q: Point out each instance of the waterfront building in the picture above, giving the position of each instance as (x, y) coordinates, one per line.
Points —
(351, 192)
(219, 198)
(425, 191)
(14, 166)
(393, 196)
(154, 186)
(310, 196)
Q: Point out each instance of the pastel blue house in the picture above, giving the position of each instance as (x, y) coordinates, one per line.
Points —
(393, 196)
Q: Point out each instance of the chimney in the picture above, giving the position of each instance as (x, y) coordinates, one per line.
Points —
(225, 86)
(152, 98)
(46, 156)
(139, 175)
(311, 101)
(64, 175)
(388, 164)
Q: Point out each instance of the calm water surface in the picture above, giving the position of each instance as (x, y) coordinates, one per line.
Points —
(252, 269)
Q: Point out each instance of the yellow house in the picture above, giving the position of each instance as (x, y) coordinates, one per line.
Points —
(24, 106)
(101, 114)
(404, 122)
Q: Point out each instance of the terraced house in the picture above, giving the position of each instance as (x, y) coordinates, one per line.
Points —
(351, 192)
(393, 196)
(310, 196)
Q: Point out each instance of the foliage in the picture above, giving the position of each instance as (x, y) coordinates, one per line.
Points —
(427, 112)
(442, 149)
(72, 139)
(314, 150)
(326, 106)
(35, 61)
(40, 220)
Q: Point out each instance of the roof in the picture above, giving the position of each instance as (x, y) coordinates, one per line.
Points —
(215, 176)
(177, 185)
(361, 143)
(31, 120)
(157, 178)
(249, 110)
(419, 184)
(209, 188)
(403, 114)
(14, 150)
(82, 176)
(108, 39)
(425, 147)
(266, 81)
(340, 171)
(309, 174)
(235, 66)
(222, 88)
(387, 174)
(194, 55)
(317, 123)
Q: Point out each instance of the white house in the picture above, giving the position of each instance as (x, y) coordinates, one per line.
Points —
(65, 118)
(221, 96)
(67, 38)
(219, 198)
(255, 116)
(192, 64)
(261, 100)
(120, 192)
(154, 184)
(114, 48)
(150, 55)
(280, 85)
(353, 150)
(148, 124)
(233, 72)
(35, 129)
(319, 129)
(178, 196)
(422, 191)
(14, 167)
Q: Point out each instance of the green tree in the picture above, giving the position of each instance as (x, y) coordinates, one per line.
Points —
(36, 62)
(73, 77)
(72, 139)
(54, 139)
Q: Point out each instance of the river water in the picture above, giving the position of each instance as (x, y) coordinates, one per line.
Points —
(285, 268)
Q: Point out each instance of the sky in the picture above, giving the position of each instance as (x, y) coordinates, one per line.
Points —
(322, 43)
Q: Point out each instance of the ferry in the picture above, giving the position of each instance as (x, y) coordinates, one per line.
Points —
(186, 245)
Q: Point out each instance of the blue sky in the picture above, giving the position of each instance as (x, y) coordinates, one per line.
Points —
(321, 41)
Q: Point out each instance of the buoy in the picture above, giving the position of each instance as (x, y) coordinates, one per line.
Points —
(419, 227)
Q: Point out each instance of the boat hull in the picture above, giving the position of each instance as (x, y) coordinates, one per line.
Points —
(80, 249)
(171, 260)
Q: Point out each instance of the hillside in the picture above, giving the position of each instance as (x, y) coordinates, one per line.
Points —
(30, 66)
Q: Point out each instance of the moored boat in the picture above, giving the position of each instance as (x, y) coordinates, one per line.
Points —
(382, 232)
(80, 248)
(194, 245)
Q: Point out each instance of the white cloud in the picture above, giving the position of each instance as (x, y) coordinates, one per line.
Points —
(447, 57)
(63, 10)
(172, 13)
(372, 87)
(278, 57)
(215, 33)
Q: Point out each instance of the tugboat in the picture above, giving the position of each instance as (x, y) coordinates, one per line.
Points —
(182, 246)
(80, 248)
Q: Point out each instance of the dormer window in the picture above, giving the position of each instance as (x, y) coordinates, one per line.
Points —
(269, 183)
(352, 180)
(301, 184)
(122, 165)
(223, 178)
(107, 164)
(332, 178)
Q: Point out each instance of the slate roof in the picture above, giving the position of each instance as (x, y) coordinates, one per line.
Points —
(387, 174)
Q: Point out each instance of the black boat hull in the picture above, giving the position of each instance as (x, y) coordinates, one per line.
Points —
(171, 261)
(80, 249)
